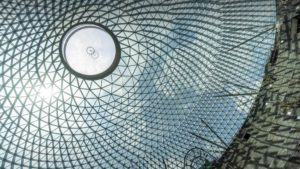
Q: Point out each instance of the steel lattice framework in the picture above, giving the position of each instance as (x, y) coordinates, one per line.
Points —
(188, 74)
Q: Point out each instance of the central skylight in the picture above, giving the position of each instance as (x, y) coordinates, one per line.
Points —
(90, 51)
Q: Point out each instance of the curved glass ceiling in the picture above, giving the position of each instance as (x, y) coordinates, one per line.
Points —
(188, 74)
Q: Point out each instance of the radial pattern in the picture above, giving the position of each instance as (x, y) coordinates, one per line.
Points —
(188, 73)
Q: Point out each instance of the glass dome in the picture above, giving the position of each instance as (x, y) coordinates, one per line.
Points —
(187, 77)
